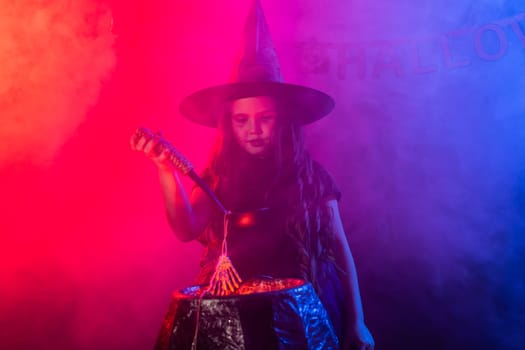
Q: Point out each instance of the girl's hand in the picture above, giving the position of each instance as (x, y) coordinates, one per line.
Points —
(358, 338)
(147, 144)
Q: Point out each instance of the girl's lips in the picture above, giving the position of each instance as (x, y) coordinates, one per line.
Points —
(256, 143)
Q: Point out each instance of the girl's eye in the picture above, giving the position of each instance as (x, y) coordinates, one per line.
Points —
(240, 119)
(268, 118)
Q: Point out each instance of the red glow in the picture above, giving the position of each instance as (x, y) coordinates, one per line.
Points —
(246, 220)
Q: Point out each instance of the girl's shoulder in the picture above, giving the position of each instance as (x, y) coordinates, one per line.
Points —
(330, 189)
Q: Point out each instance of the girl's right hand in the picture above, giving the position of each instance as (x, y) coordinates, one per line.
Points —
(148, 145)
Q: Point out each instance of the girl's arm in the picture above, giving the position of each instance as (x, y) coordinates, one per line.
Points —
(356, 332)
(187, 217)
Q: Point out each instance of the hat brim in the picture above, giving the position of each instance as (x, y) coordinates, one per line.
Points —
(206, 106)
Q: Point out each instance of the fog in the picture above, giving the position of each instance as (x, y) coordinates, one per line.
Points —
(425, 142)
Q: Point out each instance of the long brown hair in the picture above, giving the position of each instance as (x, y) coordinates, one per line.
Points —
(308, 220)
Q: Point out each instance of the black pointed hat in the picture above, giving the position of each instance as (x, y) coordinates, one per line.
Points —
(256, 74)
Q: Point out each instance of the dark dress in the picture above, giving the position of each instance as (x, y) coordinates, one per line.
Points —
(258, 245)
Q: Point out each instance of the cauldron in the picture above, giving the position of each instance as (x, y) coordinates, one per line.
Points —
(263, 314)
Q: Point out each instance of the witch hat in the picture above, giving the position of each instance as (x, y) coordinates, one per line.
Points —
(257, 73)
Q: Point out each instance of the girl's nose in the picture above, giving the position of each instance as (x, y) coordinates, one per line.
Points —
(255, 127)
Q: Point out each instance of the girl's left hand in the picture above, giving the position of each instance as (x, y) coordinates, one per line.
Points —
(358, 338)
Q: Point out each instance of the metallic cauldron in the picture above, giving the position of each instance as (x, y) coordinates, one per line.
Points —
(264, 314)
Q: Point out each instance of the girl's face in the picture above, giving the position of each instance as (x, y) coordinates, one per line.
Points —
(253, 123)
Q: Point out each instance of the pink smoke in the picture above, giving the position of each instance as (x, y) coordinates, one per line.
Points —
(54, 56)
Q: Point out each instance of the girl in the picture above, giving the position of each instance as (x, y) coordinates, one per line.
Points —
(259, 166)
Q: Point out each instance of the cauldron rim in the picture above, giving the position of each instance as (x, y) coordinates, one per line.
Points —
(192, 292)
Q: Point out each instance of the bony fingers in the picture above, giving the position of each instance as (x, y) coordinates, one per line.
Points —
(213, 289)
(219, 289)
(233, 279)
(229, 285)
